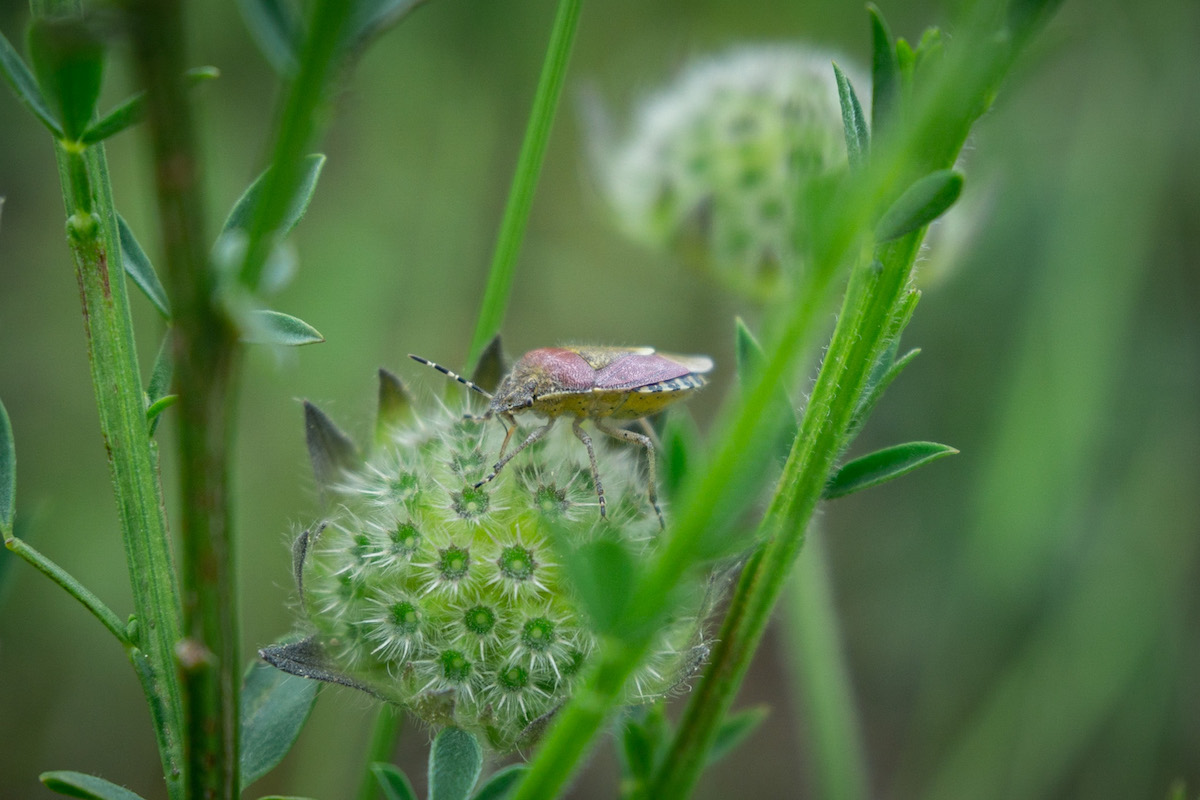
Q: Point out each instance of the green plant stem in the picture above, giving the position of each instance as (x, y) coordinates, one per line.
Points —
(384, 734)
(873, 299)
(296, 128)
(821, 679)
(205, 354)
(71, 586)
(113, 360)
(529, 167)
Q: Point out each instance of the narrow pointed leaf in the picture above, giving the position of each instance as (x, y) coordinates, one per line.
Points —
(88, 787)
(638, 750)
(274, 327)
(276, 30)
(274, 707)
(395, 405)
(882, 466)
(68, 59)
(454, 765)
(330, 450)
(491, 367)
(159, 383)
(854, 121)
(501, 785)
(680, 450)
(133, 109)
(154, 411)
(243, 210)
(392, 781)
(750, 359)
(881, 378)
(25, 87)
(885, 73)
(922, 203)
(8, 474)
(138, 267)
(307, 659)
(734, 730)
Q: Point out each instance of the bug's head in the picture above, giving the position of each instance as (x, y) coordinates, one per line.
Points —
(519, 390)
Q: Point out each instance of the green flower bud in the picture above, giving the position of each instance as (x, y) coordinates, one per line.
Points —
(449, 599)
(714, 165)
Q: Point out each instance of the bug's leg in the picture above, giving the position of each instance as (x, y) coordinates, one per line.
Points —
(510, 427)
(644, 441)
(582, 436)
(537, 433)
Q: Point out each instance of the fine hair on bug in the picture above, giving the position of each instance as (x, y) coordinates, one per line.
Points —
(597, 383)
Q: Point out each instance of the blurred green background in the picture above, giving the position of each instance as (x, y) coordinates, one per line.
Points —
(1021, 621)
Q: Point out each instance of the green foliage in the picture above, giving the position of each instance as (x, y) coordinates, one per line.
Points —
(68, 60)
(138, 267)
(275, 706)
(87, 787)
(25, 86)
(246, 206)
(858, 134)
(8, 474)
(883, 466)
(393, 782)
(275, 327)
(454, 765)
(922, 203)
(735, 729)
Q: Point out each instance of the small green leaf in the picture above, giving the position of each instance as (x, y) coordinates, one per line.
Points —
(886, 371)
(393, 782)
(284, 797)
(243, 210)
(88, 787)
(395, 405)
(455, 762)
(922, 203)
(157, 407)
(8, 474)
(882, 466)
(133, 109)
(274, 327)
(500, 785)
(25, 87)
(750, 359)
(603, 573)
(276, 30)
(680, 450)
(274, 707)
(734, 730)
(854, 121)
(330, 450)
(638, 750)
(885, 73)
(68, 59)
(138, 267)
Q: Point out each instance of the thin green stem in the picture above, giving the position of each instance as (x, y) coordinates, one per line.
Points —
(112, 356)
(296, 129)
(72, 587)
(205, 354)
(382, 744)
(821, 678)
(529, 167)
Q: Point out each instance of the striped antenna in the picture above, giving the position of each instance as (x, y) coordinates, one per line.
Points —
(453, 375)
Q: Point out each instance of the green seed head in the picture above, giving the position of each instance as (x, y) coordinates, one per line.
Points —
(714, 165)
(449, 599)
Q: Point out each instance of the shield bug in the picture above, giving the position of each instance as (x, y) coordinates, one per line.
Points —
(602, 384)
